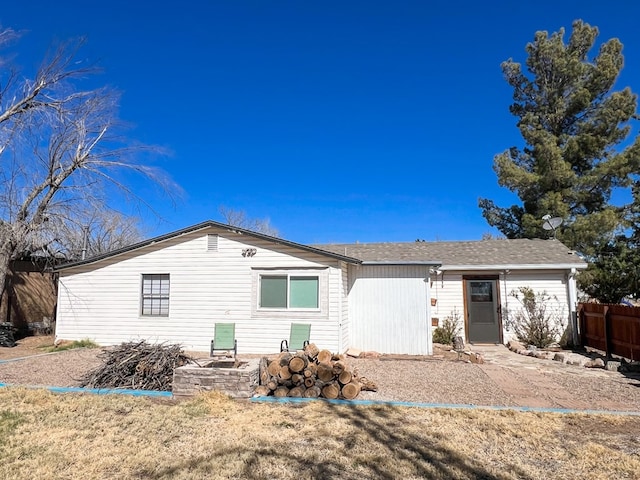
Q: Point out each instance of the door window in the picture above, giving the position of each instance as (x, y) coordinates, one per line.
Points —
(481, 291)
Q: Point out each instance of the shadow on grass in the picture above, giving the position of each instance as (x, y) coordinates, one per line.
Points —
(382, 446)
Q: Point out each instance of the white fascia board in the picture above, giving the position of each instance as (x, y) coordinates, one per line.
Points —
(548, 266)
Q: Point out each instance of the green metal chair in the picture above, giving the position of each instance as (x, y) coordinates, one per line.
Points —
(224, 338)
(298, 337)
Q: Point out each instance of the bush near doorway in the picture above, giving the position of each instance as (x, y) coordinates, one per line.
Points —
(449, 329)
(539, 321)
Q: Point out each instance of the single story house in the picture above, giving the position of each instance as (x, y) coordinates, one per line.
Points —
(176, 287)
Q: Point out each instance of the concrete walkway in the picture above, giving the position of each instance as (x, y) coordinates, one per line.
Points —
(530, 380)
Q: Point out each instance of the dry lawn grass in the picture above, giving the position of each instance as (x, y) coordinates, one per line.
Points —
(45, 435)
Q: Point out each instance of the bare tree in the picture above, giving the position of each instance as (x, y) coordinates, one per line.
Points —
(61, 152)
(239, 218)
(100, 232)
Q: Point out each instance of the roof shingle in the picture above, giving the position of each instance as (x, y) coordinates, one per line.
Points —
(515, 252)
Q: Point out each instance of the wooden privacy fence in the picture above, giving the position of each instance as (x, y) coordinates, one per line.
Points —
(614, 329)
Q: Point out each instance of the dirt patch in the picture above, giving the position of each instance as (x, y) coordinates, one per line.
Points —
(27, 347)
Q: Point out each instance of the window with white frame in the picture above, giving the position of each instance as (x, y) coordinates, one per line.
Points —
(289, 291)
(155, 295)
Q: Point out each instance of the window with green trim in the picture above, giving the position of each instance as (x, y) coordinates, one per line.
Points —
(289, 291)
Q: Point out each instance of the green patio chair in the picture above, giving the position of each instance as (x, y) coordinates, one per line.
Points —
(224, 338)
(298, 337)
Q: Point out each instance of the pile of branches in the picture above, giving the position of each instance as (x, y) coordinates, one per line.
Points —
(137, 365)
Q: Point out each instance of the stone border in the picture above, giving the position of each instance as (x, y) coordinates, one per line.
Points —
(240, 382)
(587, 360)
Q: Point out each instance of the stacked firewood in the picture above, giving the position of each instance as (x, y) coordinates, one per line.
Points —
(310, 373)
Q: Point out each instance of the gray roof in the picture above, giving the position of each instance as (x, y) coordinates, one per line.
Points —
(483, 254)
(200, 226)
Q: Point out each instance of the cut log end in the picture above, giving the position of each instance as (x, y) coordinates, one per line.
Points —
(302, 375)
(330, 391)
(350, 390)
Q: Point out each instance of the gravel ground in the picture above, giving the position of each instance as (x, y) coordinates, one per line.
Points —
(438, 379)
(59, 369)
(430, 381)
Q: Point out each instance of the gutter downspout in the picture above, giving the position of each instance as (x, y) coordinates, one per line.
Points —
(573, 300)
(342, 268)
(428, 301)
(505, 314)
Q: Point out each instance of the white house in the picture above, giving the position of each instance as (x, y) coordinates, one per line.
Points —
(176, 287)
(475, 279)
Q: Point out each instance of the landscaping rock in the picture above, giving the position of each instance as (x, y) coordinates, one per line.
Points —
(515, 346)
(545, 355)
(476, 358)
(612, 366)
(595, 363)
(576, 361)
(353, 352)
(372, 354)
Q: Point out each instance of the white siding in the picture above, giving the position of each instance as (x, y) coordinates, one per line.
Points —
(553, 283)
(388, 308)
(344, 314)
(447, 288)
(102, 301)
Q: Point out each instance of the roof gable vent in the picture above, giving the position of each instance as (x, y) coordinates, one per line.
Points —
(212, 242)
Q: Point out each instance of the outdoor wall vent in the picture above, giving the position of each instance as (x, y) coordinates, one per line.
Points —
(212, 243)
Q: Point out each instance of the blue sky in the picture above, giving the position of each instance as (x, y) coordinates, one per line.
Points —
(339, 121)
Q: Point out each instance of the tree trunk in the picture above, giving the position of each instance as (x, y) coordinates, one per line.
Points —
(351, 390)
(330, 391)
(345, 377)
(262, 391)
(284, 373)
(281, 391)
(5, 259)
(312, 392)
(296, 392)
(298, 363)
(339, 367)
(284, 358)
(325, 372)
(312, 351)
(324, 356)
(299, 375)
(264, 371)
(274, 368)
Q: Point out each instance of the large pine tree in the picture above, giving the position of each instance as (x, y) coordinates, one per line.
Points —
(576, 141)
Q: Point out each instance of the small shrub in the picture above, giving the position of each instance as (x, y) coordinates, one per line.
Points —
(449, 329)
(538, 322)
(85, 343)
